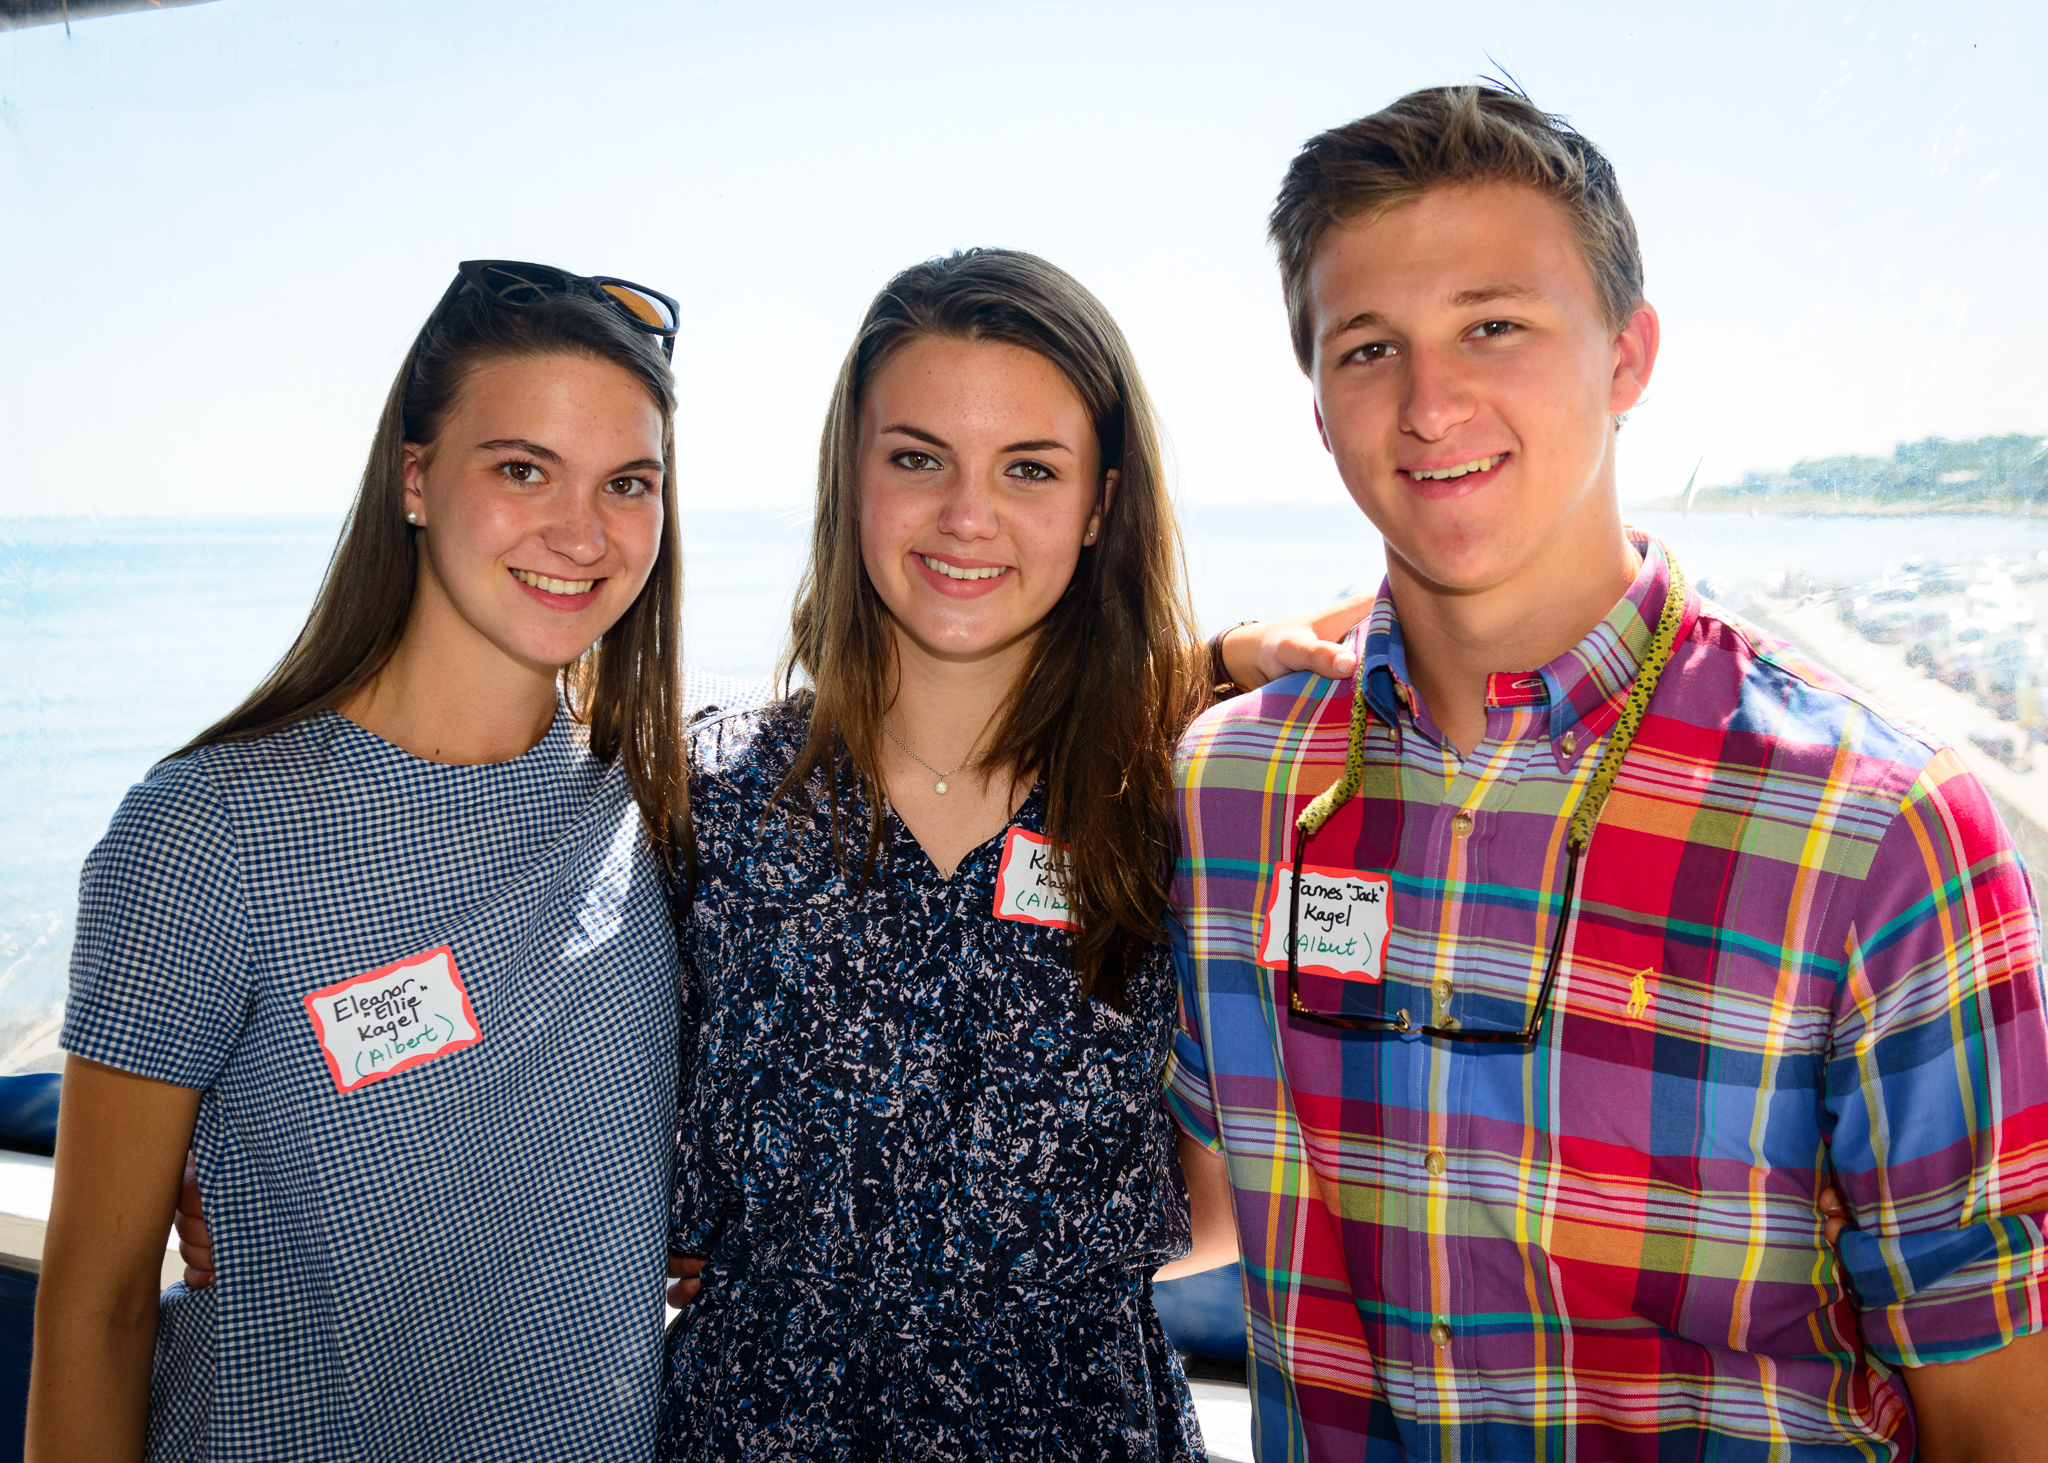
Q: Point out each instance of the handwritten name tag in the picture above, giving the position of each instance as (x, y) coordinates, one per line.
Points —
(399, 1016)
(1024, 884)
(1345, 916)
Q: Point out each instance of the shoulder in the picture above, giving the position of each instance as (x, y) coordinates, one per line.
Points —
(707, 694)
(1746, 696)
(1249, 731)
(738, 758)
(206, 783)
(726, 742)
(178, 804)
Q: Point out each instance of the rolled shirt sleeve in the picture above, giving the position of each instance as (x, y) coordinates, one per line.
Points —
(161, 966)
(1938, 1084)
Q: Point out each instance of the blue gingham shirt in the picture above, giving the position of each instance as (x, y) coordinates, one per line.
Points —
(458, 1260)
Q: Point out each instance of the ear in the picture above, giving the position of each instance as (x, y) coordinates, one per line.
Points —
(415, 470)
(1321, 430)
(1635, 357)
(1110, 481)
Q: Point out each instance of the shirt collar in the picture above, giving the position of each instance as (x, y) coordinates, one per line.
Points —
(1585, 687)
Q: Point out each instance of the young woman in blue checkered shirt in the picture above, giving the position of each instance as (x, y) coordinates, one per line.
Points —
(390, 948)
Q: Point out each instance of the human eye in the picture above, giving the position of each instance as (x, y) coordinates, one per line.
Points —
(630, 487)
(526, 474)
(1032, 472)
(1372, 352)
(1492, 329)
(916, 461)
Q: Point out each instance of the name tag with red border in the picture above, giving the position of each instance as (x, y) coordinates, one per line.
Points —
(1024, 884)
(1345, 917)
(393, 1018)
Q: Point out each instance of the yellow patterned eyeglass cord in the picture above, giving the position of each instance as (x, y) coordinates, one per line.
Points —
(1587, 811)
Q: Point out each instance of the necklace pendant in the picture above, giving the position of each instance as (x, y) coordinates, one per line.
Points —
(939, 786)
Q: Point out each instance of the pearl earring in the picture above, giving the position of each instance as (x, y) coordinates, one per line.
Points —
(412, 518)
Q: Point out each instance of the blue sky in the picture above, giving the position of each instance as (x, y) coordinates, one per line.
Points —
(223, 223)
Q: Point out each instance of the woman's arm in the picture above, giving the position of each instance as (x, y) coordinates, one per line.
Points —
(1212, 1218)
(1259, 651)
(121, 1144)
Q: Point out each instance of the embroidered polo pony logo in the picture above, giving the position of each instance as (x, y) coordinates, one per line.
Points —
(1639, 993)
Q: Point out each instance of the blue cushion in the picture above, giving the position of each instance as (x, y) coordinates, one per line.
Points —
(28, 1112)
(1204, 1313)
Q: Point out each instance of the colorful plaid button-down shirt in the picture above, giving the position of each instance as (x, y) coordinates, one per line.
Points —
(1803, 948)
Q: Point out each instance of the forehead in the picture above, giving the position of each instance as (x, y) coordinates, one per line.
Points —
(563, 395)
(974, 385)
(1445, 249)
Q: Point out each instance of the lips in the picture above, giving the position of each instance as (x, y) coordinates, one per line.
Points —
(556, 594)
(1441, 481)
(960, 581)
(1456, 470)
(553, 586)
(954, 571)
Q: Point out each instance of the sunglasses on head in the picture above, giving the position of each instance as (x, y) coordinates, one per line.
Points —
(512, 283)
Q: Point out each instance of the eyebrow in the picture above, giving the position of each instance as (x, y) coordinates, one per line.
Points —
(1363, 320)
(1037, 444)
(1487, 294)
(1462, 300)
(903, 429)
(520, 444)
(548, 454)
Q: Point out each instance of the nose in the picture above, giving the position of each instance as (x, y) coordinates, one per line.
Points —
(969, 510)
(577, 532)
(1437, 397)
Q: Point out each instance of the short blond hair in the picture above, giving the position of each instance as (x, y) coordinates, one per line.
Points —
(1449, 135)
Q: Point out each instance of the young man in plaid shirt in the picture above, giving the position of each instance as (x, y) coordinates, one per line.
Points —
(1620, 931)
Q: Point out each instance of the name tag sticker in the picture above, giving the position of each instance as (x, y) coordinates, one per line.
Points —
(399, 1016)
(1024, 884)
(1345, 915)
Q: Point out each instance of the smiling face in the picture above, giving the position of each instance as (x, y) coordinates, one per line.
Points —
(979, 485)
(1466, 382)
(540, 505)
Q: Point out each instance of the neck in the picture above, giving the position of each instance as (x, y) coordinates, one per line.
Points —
(448, 695)
(1455, 639)
(945, 710)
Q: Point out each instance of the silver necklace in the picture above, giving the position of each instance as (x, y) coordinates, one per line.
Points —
(940, 785)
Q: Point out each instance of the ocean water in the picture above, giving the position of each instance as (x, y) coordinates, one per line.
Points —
(119, 639)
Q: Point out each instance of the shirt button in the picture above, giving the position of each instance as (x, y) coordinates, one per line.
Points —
(1461, 824)
(1436, 1163)
(1440, 1335)
(1570, 744)
(1440, 988)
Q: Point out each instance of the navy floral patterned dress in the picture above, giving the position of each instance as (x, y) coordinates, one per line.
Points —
(930, 1180)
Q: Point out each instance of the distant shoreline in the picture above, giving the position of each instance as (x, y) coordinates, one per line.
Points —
(1851, 508)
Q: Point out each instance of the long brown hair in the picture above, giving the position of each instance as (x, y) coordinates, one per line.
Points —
(1110, 683)
(627, 687)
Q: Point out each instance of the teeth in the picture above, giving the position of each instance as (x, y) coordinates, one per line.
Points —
(940, 566)
(1478, 464)
(554, 586)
